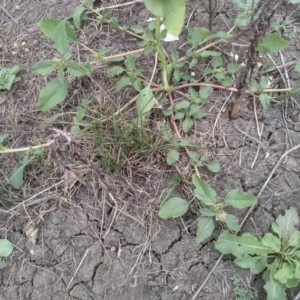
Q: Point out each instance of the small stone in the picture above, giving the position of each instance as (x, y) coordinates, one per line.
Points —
(113, 249)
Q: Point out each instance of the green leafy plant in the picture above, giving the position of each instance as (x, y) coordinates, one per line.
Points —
(240, 292)
(210, 208)
(6, 249)
(276, 254)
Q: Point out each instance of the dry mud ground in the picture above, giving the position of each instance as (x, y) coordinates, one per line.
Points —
(70, 244)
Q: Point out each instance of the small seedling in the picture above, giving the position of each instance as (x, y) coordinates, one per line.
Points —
(276, 254)
(240, 292)
(211, 208)
(6, 249)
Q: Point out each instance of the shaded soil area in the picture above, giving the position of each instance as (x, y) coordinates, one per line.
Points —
(87, 242)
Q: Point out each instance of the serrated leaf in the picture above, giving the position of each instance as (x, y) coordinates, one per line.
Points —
(122, 83)
(239, 199)
(272, 43)
(199, 115)
(285, 273)
(206, 227)
(187, 124)
(79, 15)
(232, 222)
(79, 69)
(172, 157)
(60, 38)
(271, 241)
(247, 244)
(6, 247)
(52, 94)
(275, 290)
(194, 109)
(206, 212)
(256, 264)
(145, 101)
(213, 166)
(115, 71)
(204, 192)
(265, 100)
(44, 67)
(173, 208)
(289, 222)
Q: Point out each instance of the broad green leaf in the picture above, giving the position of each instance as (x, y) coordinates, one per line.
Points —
(233, 68)
(60, 38)
(285, 273)
(79, 69)
(17, 174)
(206, 212)
(264, 82)
(155, 7)
(197, 35)
(79, 15)
(232, 222)
(256, 264)
(277, 230)
(6, 247)
(288, 223)
(247, 244)
(179, 115)
(173, 208)
(187, 124)
(115, 71)
(297, 66)
(52, 94)
(208, 53)
(239, 199)
(294, 240)
(182, 104)
(137, 28)
(217, 62)
(82, 109)
(204, 92)
(44, 67)
(194, 109)
(295, 1)
(213, 166)
(48, 26)
(204, 192)
(265, 100)
(145, 101)
(206, 227)
(173, 15)
(271, 241)
(199, 115)
(292, 283)
(173, 156)
(272, 43)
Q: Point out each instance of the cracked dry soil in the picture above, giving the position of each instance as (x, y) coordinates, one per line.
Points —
(71, 252)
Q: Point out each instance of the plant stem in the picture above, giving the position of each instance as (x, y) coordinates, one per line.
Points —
(161, 55)
(25, 148)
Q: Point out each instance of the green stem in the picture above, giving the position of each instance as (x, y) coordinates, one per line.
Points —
(161, 55)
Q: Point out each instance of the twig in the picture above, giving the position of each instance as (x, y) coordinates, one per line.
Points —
(8, 14)
(85, 254)
(246, 217)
